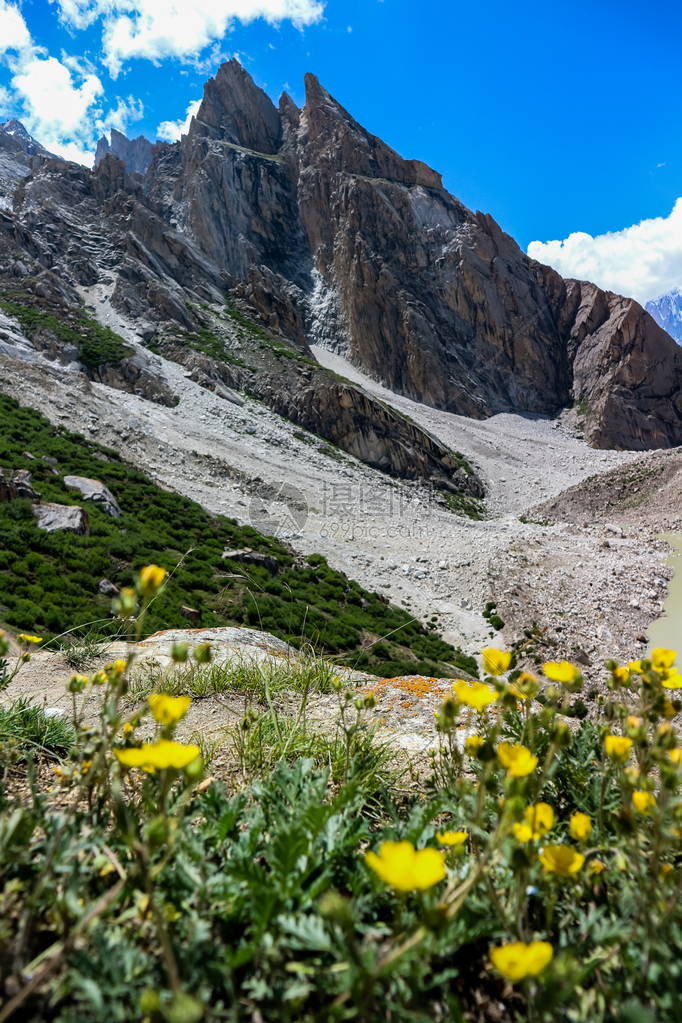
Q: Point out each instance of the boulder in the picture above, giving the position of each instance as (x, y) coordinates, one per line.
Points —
(93, 490)
(228, 643)
(107, 588)
(69, 517)
(23, 485)
(7, 491)
(247, 556)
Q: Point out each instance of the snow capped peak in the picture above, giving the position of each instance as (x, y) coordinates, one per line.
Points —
(667, 311)
(15, 128)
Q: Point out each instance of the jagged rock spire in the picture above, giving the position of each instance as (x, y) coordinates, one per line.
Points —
(235, 110)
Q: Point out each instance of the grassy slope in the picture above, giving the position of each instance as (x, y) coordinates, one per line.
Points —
(48, 582)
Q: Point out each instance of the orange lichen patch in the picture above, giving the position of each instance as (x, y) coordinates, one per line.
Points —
(412, 685)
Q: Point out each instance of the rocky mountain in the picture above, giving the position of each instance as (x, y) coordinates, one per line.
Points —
(667, 311)
(17, 148)
(135, 154)
(315, 231)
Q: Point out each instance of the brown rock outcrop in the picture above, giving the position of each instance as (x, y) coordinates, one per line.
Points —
(331, 237)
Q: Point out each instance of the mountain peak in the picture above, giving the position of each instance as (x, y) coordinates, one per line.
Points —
(667, 311)
(135, 154)
(234, 109)
(17, 129)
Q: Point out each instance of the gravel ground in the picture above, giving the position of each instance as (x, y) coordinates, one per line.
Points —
(391, 536)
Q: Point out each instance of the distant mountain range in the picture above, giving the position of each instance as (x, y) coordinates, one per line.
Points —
(667, 311)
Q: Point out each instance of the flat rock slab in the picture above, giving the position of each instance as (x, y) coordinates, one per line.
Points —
(98, 493)
(52, 517)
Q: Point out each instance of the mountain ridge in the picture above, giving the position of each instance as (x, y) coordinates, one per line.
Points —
(326, 235)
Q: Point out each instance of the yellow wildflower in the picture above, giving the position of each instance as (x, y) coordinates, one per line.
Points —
(561, 859)
(517, 960)
(617, 746)
(621, 675)
(561, 671)
(158, 756)
(27, 639)
(128, 728)
(643, 802)
(539, 820)
(474, 694)
(596, 867)
(473, 743)
(117, 667)
(525, 686)
(452, 838)
(671, 679)
(662, 658)
(517, 759)
(496, 662)
(151, 577)
(635, 667)
(632, 721)
(168, 710)
(675, 755)
(408, 869)
(580, 826)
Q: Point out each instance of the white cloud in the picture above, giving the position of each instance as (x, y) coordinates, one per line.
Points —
(55, 105)
(59, 100)
(126, 111)
(5, 101)
(14, 34)
(171, 131)
(642, 261)
(155, 29)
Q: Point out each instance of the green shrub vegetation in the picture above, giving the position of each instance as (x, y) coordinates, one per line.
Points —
(49, 581)
(26, 730)
(533, 873)
(97, 345)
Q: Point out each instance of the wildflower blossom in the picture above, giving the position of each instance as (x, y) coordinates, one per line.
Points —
(408, 869)
(474, 694)
(662, 658)
(580, 826)
(596, 867)
(561, 859)
(643, 802)
(168, 710)
(561, 671)
(675, 755)
(452, 838)
(518, 960)
(617, 746)
(525, 686)
(671, 679)
(473, 743)
(518, 760)
(496, 662)
(158, 756)
(28, 640)
(151, 578)
(539, 819)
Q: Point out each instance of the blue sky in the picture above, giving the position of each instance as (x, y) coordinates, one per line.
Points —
(556, 118)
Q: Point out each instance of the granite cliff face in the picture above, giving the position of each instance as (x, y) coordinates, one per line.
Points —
(321, 233)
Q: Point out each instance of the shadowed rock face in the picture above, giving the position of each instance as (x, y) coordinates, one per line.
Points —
(134, 154)
(330, 236)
